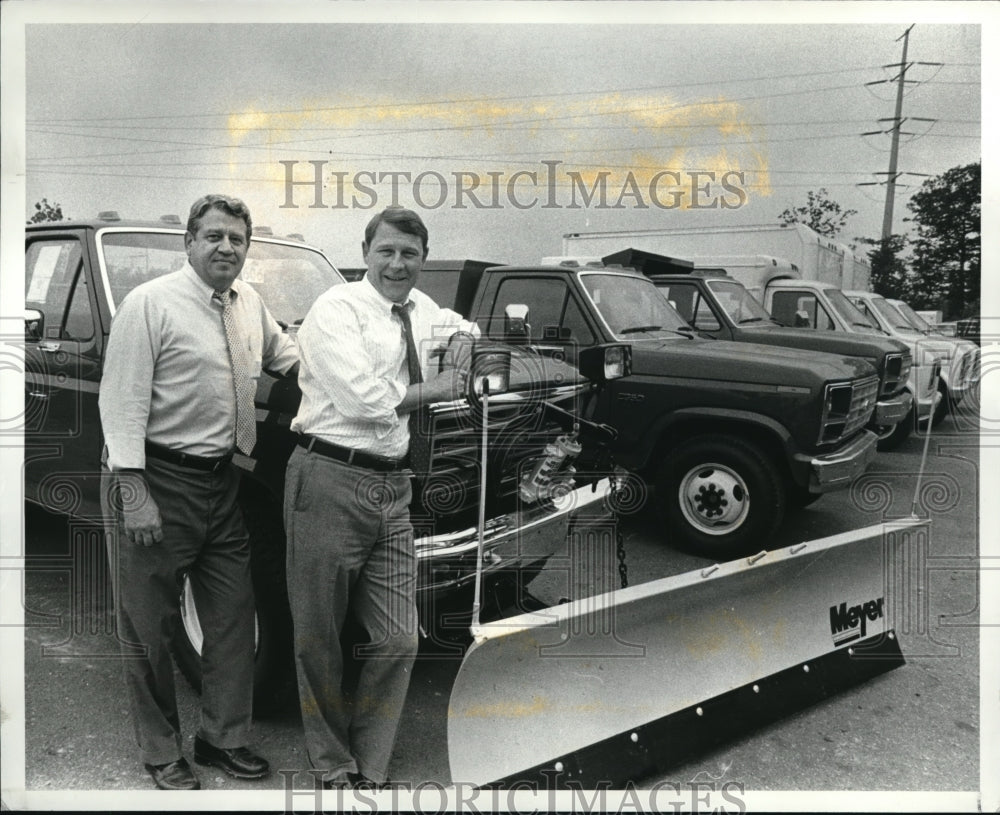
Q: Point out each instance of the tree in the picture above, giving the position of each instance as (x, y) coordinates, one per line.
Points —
(888, 273)
(820, 214)
(44, 211)
(947, 246)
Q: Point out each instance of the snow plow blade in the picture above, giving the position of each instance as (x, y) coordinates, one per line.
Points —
(613, 688)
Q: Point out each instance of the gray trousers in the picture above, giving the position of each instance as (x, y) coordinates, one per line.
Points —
(203, 535)
(350, 545)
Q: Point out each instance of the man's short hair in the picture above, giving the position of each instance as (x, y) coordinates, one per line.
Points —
(405, 220)
(225, 203)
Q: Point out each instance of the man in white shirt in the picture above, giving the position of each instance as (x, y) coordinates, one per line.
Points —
(365, 354)
(176, 401)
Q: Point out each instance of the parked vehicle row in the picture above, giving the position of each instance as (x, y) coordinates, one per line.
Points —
(682, 379)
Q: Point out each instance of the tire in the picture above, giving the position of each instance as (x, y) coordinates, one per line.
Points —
(891, 439)
(942, 410)
(274, 672)
(720, 497)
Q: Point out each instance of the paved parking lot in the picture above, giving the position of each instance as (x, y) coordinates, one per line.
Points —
(915, 728)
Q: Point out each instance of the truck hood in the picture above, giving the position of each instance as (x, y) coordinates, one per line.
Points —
(868, 346)
(721, 360)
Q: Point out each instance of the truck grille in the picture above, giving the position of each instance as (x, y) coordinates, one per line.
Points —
(897, 369)
(968, 369)
(847, 408)
(445, 454)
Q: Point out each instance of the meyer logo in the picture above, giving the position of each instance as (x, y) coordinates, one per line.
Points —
(851, 623)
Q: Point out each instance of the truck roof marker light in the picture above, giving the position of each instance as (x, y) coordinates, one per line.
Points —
(262, 230)
(296, 236)
(170, 219)
(109, 215)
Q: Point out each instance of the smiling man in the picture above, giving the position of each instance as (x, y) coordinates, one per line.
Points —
(365, 350)
(176, 402)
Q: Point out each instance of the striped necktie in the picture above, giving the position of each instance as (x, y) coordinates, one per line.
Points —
(419, 454)
(412, 360)
(243, 384)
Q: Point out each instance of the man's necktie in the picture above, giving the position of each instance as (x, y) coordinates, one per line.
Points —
(419, 455)
(243, 383)
(412, 360)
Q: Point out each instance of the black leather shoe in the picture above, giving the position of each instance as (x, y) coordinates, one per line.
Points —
(341, 782)
(177, 775)
(238, 762)
(363, 782)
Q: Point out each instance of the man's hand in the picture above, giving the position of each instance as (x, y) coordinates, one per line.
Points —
(140, 514)
(446, 386)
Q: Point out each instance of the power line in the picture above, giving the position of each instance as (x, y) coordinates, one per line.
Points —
(244, 179)
(468, 100)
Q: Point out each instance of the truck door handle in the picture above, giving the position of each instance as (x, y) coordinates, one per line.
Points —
(38, 394)
(50, 347)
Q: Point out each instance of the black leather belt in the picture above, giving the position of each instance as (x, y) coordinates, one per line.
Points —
(209, 465)
(348, 455)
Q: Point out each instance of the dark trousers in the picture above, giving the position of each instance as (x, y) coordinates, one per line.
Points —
(205, 537)
(350, 544)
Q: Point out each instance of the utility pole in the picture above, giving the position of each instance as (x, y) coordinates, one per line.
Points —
(890, 190)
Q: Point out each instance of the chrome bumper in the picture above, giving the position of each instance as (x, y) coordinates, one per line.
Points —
(836, 470)
(530, 535)
(892, 411)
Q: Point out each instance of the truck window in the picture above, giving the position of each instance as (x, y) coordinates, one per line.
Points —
(799, 309)
(681, 297)
(288, 278)
(553, 315)
(55, 284)
(692, 306)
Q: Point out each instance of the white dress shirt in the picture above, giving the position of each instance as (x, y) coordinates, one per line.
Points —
(167, 375)
(353, 370)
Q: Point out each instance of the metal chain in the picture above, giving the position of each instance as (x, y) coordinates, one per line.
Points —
(619, 535)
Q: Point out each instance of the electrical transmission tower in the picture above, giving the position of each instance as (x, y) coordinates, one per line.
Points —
(897, 121)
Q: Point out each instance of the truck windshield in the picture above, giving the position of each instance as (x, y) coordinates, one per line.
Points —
(893, 318)
(912, 317)
(847, 310)
(288, 277)
(632, 307)
(738, 303)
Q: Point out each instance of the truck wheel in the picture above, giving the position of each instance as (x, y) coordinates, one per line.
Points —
(892, 438)
(274, 674)
(720, 497)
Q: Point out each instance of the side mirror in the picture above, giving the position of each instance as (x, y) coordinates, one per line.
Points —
(34, 324)
(490, 364)
(602, 363)
(516, 328)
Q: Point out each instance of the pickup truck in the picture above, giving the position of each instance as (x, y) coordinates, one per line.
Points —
(77, 272)
(959, 357)
(719, 306)
(822, 306)
(730, 435)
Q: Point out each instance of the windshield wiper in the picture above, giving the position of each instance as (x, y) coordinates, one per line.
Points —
(638, 328)
(750, 320)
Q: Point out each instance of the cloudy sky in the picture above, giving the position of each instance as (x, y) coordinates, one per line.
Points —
(687, 115)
